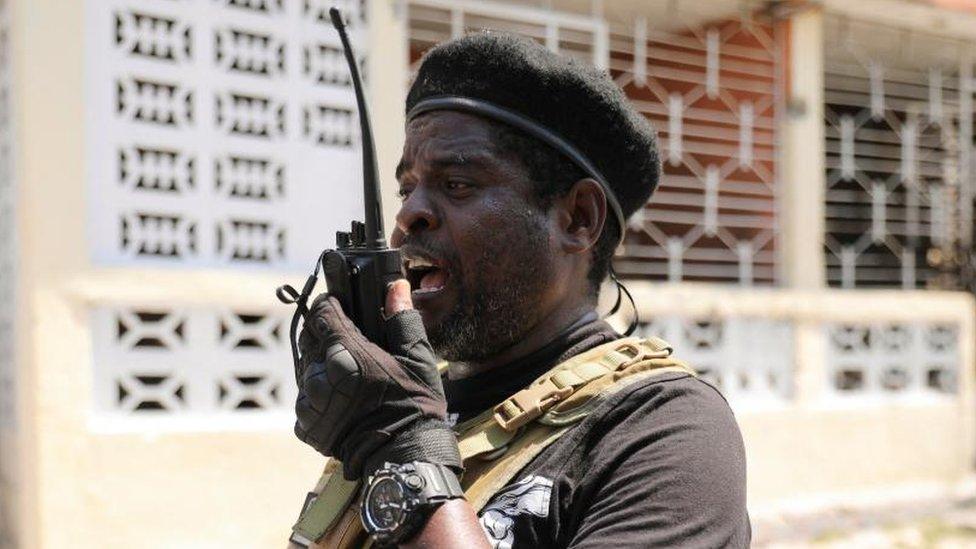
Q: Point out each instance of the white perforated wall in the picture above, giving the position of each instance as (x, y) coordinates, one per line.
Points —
(741, 356)
(221, 133)
(168, 361)
(891, 359)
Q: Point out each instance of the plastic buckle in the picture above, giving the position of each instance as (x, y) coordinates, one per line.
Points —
(531, 404)
(641, 352)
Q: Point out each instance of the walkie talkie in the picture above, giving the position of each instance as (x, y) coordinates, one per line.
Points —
(361, 266)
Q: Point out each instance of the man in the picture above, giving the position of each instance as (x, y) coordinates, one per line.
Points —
(518, 171)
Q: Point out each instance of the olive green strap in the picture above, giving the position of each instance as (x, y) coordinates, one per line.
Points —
(489, 434)
(326, 509)
(562, 381)
(488, 479)
(482, 483)
(560, 418)
(486, 440)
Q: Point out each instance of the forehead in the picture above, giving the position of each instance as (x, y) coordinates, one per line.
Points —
(448, 131)
(442, 140)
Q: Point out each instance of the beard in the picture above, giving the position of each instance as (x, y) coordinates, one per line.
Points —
(499, 293)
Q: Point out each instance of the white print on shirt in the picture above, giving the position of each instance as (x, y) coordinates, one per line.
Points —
(528, 496)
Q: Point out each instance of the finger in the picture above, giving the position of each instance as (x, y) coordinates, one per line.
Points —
(398, 297)
(405, 330)
(326, 318)
(407, 341)
(309, 350)
(335, 381)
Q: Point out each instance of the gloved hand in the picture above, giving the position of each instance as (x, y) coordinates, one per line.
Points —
(365, 405)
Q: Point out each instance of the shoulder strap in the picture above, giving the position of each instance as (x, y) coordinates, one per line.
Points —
(325, 509)
(565, 379)
(500, 442)
(572, 381)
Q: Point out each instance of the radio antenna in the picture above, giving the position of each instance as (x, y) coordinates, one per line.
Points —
(375, 237)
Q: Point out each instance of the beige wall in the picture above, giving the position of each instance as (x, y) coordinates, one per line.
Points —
(819, 445)
(11, 475)
(388, 85)
(115, 484)
(87, 483)
(801, 215)
(799, 458)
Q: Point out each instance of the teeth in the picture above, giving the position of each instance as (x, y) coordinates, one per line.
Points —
(418, 263)
(427, 290)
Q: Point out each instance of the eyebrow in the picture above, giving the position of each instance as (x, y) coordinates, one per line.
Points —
(402, 167)
(446, 160)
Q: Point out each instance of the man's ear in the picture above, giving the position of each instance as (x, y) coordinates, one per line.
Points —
(580, 215)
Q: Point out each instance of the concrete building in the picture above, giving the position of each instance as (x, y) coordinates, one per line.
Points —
(165, 164)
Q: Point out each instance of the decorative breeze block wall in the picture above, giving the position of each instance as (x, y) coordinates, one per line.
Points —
(748, 359)
(191, 361)
(892, 359)
(221, 133)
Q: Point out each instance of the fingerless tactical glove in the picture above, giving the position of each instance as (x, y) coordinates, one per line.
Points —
(365, 405)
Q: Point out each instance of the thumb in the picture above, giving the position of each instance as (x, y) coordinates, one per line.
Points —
(398, 297)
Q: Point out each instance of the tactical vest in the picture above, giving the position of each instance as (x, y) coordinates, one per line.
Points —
(500, 442)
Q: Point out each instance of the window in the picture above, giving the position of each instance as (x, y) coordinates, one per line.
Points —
(898, 134)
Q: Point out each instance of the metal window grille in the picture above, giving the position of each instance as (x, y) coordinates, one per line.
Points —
(220, 133)
(891, 359)
(159, 361)
(433, 21)
(710, 88)
(714, 348)
(898, 117)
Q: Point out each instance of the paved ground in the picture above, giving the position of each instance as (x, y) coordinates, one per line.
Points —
(927, 524)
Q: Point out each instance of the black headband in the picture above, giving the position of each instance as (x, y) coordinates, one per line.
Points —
(529, 126)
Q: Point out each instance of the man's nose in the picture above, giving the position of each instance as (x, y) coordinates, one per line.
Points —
(416, 214)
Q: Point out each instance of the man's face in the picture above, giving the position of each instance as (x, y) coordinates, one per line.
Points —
(476, 247)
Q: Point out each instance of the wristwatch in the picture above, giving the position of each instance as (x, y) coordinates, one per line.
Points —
(400, 498)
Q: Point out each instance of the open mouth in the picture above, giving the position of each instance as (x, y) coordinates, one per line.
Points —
(424, 275)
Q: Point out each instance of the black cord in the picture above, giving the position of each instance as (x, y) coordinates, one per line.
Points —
(635, 321)
(616, 305)
(288, 295)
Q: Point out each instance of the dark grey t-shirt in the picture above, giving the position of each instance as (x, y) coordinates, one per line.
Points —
(659, 464)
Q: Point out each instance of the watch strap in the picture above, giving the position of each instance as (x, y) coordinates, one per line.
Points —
(431, 484)
(441, 483)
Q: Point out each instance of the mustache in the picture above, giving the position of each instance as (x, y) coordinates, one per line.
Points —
(422, 245)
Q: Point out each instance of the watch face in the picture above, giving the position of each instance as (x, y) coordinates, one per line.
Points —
(385, 504)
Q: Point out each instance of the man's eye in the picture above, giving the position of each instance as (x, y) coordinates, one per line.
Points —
(403, 193)
(455, 185)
